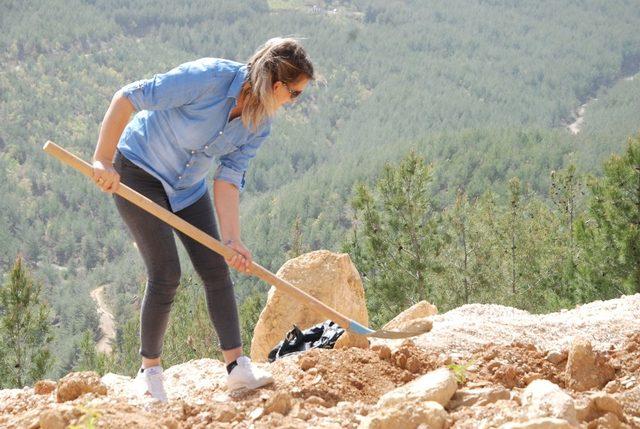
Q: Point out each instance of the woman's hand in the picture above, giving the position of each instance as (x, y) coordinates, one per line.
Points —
(105, 176)
(241, 261)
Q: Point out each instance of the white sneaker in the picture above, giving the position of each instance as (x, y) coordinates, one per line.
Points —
(246, 375)
(150, 382)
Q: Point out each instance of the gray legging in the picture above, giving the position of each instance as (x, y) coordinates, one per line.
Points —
(157, 246)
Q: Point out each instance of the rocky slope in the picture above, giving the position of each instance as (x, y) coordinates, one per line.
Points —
(481, 366)
(478, 366)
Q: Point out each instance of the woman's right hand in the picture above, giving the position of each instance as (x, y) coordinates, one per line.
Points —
(105, 176)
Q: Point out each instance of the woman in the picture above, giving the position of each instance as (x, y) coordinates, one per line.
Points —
(201, 110)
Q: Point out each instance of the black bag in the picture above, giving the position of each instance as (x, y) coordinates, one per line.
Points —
(323, 335)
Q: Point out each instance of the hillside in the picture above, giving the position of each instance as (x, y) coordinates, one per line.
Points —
(507, 354)
(484, 90)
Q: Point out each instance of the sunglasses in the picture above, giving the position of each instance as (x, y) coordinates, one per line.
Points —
(292, 92)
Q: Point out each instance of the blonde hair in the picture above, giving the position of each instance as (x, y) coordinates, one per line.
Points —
(279, 59)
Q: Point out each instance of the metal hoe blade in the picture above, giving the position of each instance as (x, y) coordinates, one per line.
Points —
(359, 329)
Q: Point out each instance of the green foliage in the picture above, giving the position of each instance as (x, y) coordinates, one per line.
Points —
(609, 233)
(484, 90)
(249, 314)
(25, 333)
(89, 359)
(515, 253)
(460, 371)
(89, 419)
(399, 243)
(189, 335)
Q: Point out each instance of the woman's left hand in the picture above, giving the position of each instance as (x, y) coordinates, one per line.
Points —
(241, 261)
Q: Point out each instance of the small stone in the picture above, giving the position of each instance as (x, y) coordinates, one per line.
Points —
(307, 362)
(608, 403)
(76, 384)
(586, 369)
(609, 421)
(316, 400)
(256, 414)
(540, 423)
(279, 403)
(556, 357)
(349, 339)
(44, 387)
(413, 364)
(52, 419)
(384, 352)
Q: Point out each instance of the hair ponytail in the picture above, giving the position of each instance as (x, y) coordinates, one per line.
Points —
(279, 59)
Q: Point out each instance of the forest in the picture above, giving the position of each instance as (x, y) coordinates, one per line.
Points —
(470, 100)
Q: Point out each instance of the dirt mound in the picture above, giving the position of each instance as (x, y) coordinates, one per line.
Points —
(343, 387)
(515, 365)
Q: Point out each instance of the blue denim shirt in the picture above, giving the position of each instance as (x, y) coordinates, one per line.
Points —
(182, 126)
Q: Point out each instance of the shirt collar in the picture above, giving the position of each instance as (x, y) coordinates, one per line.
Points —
(236, 85)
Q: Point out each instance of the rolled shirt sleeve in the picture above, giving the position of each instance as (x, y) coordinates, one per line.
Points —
(177, 87)
(233, 166)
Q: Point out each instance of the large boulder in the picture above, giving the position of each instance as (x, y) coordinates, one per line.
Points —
(330, 277)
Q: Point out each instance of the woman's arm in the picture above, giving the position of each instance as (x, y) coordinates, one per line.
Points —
(114, 122)
(227, 203)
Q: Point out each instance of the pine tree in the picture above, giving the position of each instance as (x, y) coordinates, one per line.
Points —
(399, 243)
(566, 192)
(609, 235)
(25, 332)
(297, 248)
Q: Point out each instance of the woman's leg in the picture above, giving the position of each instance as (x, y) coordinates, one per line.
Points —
(156, 245)
(214, 272)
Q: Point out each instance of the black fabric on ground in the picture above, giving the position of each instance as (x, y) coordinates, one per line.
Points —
(323, 335)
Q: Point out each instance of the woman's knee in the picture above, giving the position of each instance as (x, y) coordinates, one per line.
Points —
(164, 277)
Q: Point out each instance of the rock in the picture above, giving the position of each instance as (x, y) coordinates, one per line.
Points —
(349, 339)
(438, 386)
(330, 277)
(280, 402)
(403, 320)
(171, 423)
(52, 419)
(585, 409)
(607, 404)
(256, 413)
(585, 369)
(44, 387)
(75, 384)
(631, 401)
(424, 414)
(478, 396)
(608, 421)
(384, 352)
(307, 362)
(556, 357)
(542, 398)
(314, 401)
(540, 423)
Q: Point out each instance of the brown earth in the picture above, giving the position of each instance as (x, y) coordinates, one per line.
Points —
(340, 387)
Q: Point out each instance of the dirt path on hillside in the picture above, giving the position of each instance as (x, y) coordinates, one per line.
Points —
(576, 126)
(107, 324)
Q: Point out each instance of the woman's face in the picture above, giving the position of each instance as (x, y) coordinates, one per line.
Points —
(286, 93)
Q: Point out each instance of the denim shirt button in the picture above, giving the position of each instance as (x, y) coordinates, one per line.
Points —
(192, 152)
(179, 177)
(187, 164)
(220, 133)
(206, 146)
